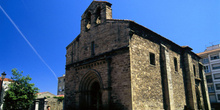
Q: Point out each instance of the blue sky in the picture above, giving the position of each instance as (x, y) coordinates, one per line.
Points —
(50, 25)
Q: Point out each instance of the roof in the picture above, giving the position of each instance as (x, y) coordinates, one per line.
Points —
(126, 20)
(44, 93)
(60, 95)
(6, 79)
(164, 38)
(61, 76)
(41, 93)
(208, 52)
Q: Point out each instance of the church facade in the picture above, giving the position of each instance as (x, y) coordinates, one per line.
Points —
(120, 65)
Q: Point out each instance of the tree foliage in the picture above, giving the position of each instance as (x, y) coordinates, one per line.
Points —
(21, 92)
(60, 99)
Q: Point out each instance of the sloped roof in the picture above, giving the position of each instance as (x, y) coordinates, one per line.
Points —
(60, 95)
(6, 79)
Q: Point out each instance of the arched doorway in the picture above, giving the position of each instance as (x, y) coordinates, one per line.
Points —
(95, 97)
(91, 92)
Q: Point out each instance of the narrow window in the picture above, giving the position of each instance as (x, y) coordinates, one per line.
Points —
(194, 70)
(218, 96)
(209, 79)
(88, 21)
(206, 69)
(211, 88)
(217, 86)
(98, 16)
(92, 48)
(205, 60)
(152, 58)
(175, 64)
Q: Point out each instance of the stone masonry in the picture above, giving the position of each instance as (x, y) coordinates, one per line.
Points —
(121, 65)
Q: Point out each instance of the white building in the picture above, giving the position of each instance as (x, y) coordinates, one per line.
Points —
(211, 61)
(61, 85)
(4, 88)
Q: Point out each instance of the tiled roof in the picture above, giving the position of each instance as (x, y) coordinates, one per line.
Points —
(41, 93)
(6, 79)
(60, 95)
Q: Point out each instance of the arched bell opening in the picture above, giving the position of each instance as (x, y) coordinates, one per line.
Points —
(88, 21)
(91, 92)
(98, 16)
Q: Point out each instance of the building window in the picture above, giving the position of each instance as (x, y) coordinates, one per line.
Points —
(216, 66)
(212, 98)
(217, 76)
(218, 96)
(214, 57)
(175, 64)
(217, 86)
(206, 69)
(211, 88)
(205, 60)
(152, 58)
(194, 70)
(92, 48)
(209, 79)
(59, 89)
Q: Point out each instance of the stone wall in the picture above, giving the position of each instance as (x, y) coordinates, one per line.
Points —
(174, 86)
(115, 81)
(54, 104)
(145, 78)
(121, 81)
(45, 99)
(177, 81)
(106, 37)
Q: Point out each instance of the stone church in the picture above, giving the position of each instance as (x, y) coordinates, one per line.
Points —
(121, 65)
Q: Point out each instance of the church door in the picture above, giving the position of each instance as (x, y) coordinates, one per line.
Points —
(95, 97)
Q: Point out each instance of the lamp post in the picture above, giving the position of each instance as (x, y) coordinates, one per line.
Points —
(3, 77)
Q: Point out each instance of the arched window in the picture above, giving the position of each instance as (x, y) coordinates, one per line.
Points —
(98, 16)
(88, 20)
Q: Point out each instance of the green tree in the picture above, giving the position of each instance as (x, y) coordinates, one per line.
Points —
(21, 92)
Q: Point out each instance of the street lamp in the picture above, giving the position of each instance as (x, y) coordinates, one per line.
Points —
(3, 77)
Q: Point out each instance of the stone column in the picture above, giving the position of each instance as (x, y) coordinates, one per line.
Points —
(109, 83)
(189, 80)
(36, 105)
(45, 105)
(166, 78)
(105, 102)
(204, 88)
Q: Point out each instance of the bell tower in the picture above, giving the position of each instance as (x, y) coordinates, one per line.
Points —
(95, 14)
